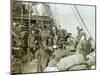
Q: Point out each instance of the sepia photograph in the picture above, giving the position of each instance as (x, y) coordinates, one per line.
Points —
(52, 37)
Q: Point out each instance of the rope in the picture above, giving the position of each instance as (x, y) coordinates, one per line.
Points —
(76, 16)
(82, 21)
(58, 17)
(51, 14)
(54, 15)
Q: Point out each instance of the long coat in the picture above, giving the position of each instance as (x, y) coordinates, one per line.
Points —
(31, 41)
(25, 39)
(43, 57)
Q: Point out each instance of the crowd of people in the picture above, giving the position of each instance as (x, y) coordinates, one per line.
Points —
(50, 45)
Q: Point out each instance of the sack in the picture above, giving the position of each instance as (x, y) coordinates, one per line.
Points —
(91, 59)
(48, 69)
(69, 61)
(79, 67)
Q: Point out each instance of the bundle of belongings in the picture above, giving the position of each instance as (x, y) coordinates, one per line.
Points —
(91, 60)
(72, 62)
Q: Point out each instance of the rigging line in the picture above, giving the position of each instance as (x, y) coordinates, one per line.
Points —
(53, 16)
(76, 16)
(21, 14)
(43, 10)
(82, 21)
(55, 20)
(58, 17)
(48, 10)
(35, 10)
(29, 14)
(51, 13)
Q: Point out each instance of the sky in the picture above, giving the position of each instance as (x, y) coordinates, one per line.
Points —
(68, 18)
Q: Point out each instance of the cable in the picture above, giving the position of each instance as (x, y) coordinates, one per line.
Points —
(76, 16)
(82, 21)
